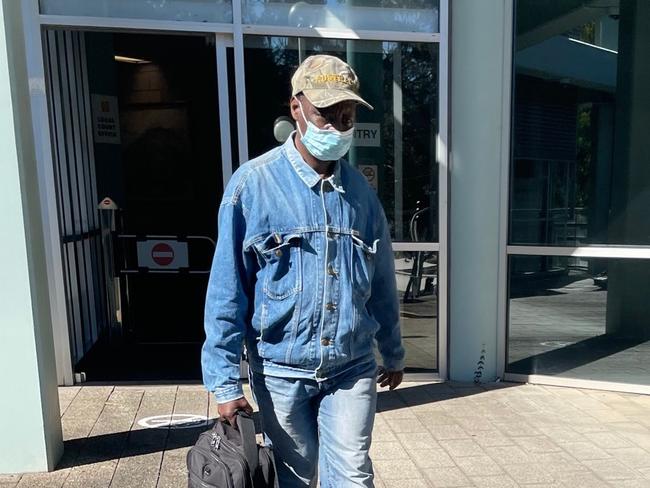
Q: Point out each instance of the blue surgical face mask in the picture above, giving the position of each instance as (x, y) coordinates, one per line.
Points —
(325, 144)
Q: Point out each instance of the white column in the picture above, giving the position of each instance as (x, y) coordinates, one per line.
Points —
(31, 438)
(480, 55)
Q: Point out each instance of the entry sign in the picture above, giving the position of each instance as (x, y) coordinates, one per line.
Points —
(162, 254)
(367, 135)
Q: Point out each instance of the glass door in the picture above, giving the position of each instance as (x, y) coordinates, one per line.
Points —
(143, 154)
(394, 148)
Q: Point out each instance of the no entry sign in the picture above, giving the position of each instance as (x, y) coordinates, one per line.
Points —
(162, 254)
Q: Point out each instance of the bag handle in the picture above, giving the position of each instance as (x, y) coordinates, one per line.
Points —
(246, 427)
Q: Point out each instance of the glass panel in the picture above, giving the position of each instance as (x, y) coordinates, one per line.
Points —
(406, 15)
(188, 10)
(417, 284)
(580, 318)
(395, 145)
(581, 154)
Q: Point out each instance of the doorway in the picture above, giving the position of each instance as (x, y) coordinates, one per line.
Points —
(153, 159)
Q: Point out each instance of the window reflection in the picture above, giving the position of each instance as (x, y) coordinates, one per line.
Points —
(580, 149)
(406, 15)
(417, 285)
(182, 10)
(581, 318)
(394, 145)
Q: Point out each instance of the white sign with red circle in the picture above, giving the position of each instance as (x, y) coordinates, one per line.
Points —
(162, 254)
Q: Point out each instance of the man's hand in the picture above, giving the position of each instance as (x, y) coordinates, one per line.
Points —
(392, 379)
(229, 410)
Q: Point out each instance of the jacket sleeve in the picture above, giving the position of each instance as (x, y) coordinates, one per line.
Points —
(383, 304)
(226, 307)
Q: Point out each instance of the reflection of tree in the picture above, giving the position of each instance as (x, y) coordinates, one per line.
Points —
(419, 82)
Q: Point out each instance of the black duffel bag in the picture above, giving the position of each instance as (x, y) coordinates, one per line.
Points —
(225, 457)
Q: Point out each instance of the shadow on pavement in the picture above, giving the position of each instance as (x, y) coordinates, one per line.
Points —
(112, 446)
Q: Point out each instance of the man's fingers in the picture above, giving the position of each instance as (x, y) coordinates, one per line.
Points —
(396, 379)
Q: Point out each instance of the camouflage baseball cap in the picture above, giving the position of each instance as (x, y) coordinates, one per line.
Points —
(326, 80)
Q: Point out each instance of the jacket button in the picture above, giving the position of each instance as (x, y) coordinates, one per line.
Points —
(331, 271)
(330, 306)
(325, 342)
(278, 252)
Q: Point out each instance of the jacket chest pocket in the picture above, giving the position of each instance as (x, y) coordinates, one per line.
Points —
(282, 259)
(362, 266)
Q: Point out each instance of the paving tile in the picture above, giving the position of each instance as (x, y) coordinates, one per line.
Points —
(580, 480)
(141, 471)
(406, 425)
(611, 469)
(517, 429)
(559, 462)
(66, 396)
(562, 434)
(95, 475)
(417, 440)
(478, 466)
(509, 455)
(634, 425)
(412, 483)
(553, 484)
(640, 439)
(383, 434)
(634, 457)
(396, 469)
(503, 481)
(387, 450)
(475, 423)
(445, 432)
(462, 447)
(491, 438)
(585, 451)
(634, 483)
(55, 479)
(608, 440)
(173, 471)
(447, 477)
(432, 458)
(10, 478)
(537, 444)
(528, 473)
(379, 483)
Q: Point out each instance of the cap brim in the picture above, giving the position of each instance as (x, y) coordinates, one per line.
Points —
(321, 97)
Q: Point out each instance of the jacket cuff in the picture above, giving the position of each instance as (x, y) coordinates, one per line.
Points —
(229, 393)
(393, 364)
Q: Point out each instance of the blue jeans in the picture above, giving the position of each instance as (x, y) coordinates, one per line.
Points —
(326, 424)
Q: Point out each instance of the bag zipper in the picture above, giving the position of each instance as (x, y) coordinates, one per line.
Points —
(243, 465)
(219, 461)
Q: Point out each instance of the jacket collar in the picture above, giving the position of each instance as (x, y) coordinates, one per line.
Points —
(308, 174)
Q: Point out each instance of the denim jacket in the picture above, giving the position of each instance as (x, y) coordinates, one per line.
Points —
(303, 274)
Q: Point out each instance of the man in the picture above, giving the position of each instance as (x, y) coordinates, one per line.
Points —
(304, 275)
